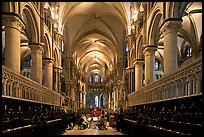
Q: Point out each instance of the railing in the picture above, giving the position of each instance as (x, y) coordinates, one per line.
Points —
(19, 87)
(183, 83)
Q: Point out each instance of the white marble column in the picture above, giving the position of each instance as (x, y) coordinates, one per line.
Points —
(48, 72)
(36, 55)
(138, 73)
(13, 25)
(149, 52)
(170, 29)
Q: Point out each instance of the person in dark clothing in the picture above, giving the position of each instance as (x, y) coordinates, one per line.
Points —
(118, 123)
(80, 121)
(100, 123)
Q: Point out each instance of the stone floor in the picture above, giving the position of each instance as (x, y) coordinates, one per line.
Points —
(92, 131)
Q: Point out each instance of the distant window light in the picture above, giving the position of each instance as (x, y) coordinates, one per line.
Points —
(187, 51)
(156, 65)
(30, 63)
(126, 49)
(96, 78)
(62, 46)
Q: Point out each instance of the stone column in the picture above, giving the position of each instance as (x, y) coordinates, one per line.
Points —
(128, 85)
(190, 85)
(149, 52)
(80, 100)
(106, 99)
(170, 29)
(36, 55)
(84, 100)
(198, 86)
(132, 79)
(13, 25)
(57, 83)
(48, 72)
(116, 97)
(99, 100)
(55, 79)
(129, 39)
(109, 99)
(138, 73)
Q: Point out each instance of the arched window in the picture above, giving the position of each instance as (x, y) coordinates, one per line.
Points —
(186, 51)
(90, 79)
(158, 65)
(96, 78)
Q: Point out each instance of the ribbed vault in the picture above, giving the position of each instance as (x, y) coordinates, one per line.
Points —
(94, 35)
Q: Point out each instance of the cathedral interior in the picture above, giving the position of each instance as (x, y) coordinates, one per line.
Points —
(140, 62)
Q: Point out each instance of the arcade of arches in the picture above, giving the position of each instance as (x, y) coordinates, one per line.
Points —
(77, 55)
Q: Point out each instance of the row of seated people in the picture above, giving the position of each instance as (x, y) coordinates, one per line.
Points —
(85, 121)
(183, 119)
(37, 117)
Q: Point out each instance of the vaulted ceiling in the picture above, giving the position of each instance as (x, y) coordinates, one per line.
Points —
(94, 34)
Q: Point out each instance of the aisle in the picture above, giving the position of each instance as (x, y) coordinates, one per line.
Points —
(92, 131)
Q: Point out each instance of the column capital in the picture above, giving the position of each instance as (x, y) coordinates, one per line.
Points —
(58, 69)
(138, 61)
(129, 36)
(13, 20)
(149, 47)
(69, 58)
(149, 50)
(171, 25)
(60, 36)
(48, 60)
(36, 47)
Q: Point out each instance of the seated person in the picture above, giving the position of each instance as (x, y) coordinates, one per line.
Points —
(100, 123)
(80, 121)
(85, 122)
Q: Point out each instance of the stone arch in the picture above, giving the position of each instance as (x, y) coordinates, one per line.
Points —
(139, 48)
(56, 58)
(132, 55)
(31, 27)
(47, 46)
(175, 9)
(154, 32)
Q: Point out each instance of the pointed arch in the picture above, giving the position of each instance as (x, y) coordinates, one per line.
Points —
(31, 25)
